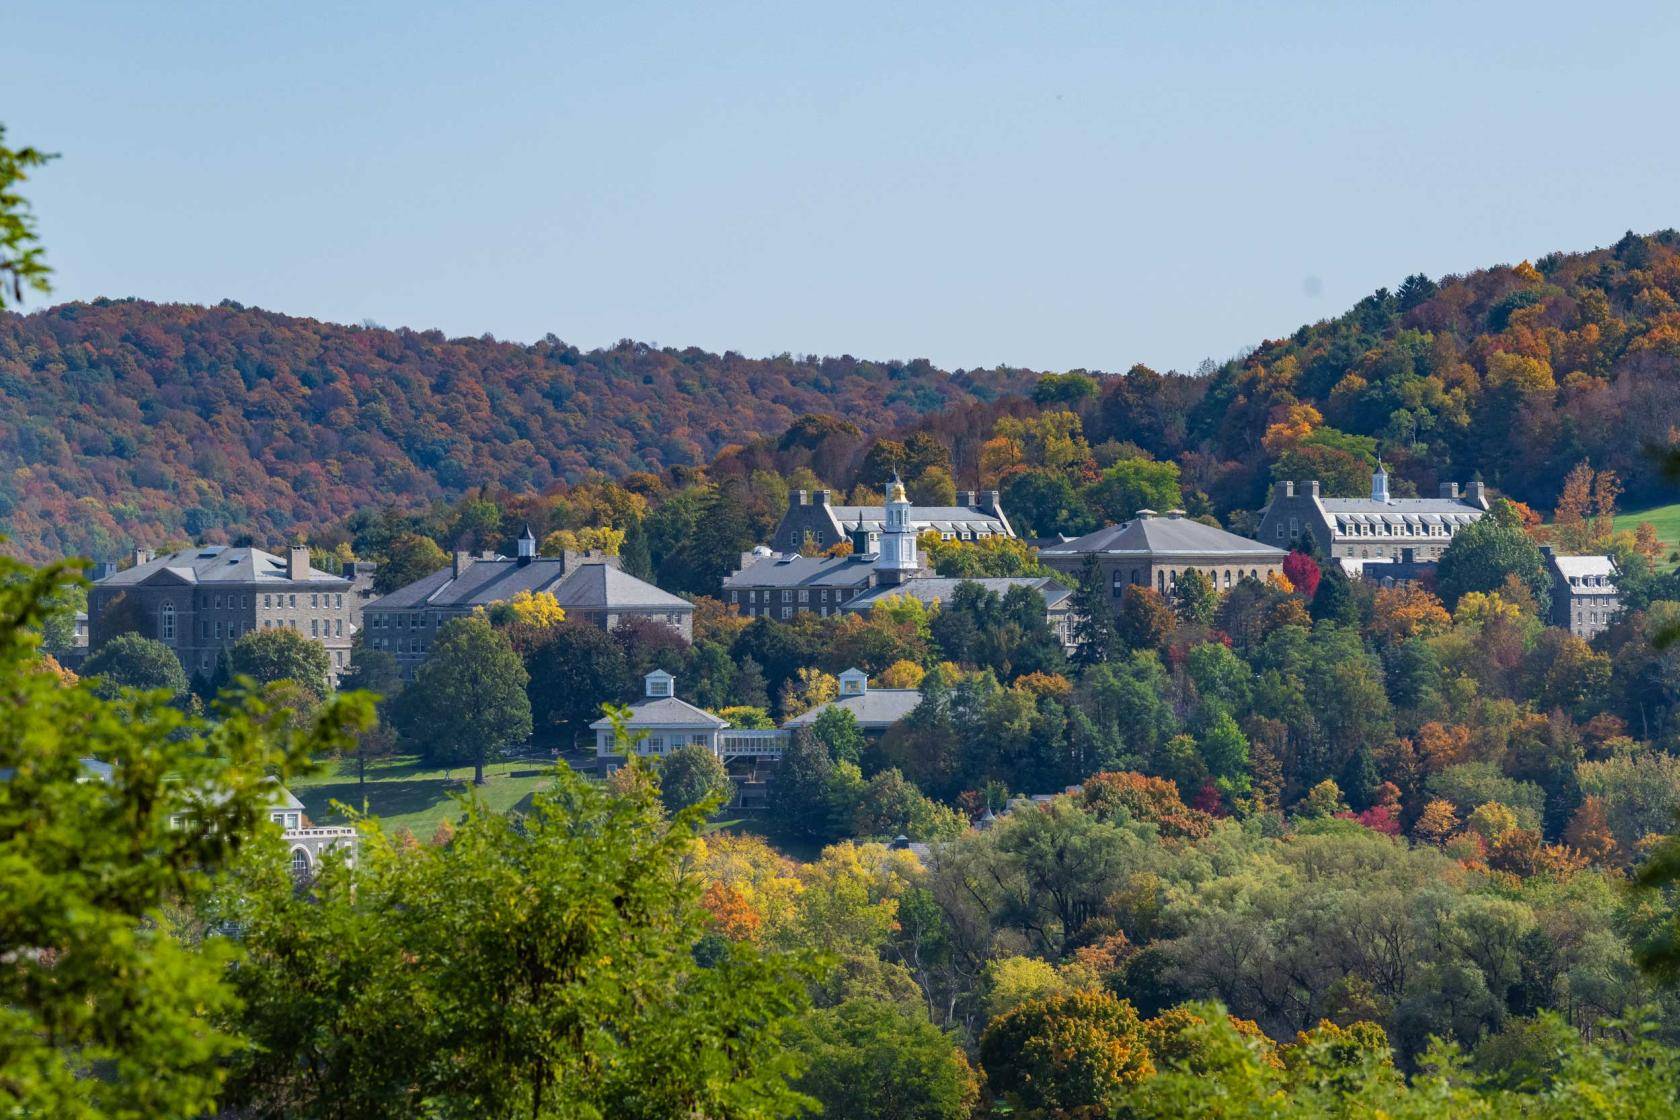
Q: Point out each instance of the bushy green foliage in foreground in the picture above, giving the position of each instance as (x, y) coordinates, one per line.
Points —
(104, 1011)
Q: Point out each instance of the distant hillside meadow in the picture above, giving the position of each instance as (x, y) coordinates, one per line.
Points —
(124, 421)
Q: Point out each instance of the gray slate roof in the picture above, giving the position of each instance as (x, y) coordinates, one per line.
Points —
(596, 585)
(875, 710)
(1397, 511)
(667, 711)
(804, 571)
(940, 589)
(947, 519)
(218, 563)
(1165, 537)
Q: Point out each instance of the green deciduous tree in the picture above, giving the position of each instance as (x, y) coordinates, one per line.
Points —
(542, 966)
(103, 1008)
(691, 774)
(410, 557)
(1483, 554)
(871, 1060)
(467, 702)
(282, 654)
(22, 264)
(131, 661)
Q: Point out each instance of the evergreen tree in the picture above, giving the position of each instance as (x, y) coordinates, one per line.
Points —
(1334, 601)
(633, 555)
(1095, 637)
(798, 798)
(751, 691)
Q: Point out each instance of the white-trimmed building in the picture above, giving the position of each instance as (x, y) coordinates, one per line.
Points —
(661, 722)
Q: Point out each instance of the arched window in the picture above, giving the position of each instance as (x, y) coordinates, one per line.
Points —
(166, 622)
(1227, 578)
(300, 864)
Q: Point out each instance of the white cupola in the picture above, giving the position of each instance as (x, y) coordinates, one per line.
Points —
(898, 559)
(1379, 484)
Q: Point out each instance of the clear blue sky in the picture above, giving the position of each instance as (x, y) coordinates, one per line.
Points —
(1045, 185)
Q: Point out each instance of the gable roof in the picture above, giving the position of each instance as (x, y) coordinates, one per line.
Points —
(592, 585)
(667, 711)
(1161, 537)
(218, 563)
(793, 570)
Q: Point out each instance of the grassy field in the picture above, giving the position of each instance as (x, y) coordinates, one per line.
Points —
(404, 792)
(1665, 518)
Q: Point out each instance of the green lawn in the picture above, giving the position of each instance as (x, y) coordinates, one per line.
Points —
(1665, 518)
(404, 792)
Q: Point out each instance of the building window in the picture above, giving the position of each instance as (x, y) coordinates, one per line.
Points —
(268, 600)
(314, 628)
(300, 864)
(218, 630)
(293, 600)
(787, 612)
(338, 628)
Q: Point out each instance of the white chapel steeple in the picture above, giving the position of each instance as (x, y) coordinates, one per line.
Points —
(898, 559)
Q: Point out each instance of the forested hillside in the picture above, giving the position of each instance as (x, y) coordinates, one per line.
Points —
(133, 422)
(125, 422)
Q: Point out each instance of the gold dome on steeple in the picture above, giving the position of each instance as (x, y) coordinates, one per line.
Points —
(896, 492)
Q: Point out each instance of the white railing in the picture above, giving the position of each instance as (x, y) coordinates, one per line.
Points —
(744, 743)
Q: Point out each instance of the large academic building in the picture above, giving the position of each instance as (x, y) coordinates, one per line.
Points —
(1154, 550)
(198, 601)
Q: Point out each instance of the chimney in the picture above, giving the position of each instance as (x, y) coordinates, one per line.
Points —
(297, 562)
(1312, 489)
(822, 497)
(993, 503)
(797, 498)
(1449, 489)
(463, 561)
(142, 556)
(1477, 494)
(105, 569)
(968, 498)
(1283, 490)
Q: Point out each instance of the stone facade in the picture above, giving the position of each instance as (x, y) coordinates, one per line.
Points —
(589, 586)
(1380, 527)
(1584, 594)
(199, 601)
(1154, 551)
(812, 524)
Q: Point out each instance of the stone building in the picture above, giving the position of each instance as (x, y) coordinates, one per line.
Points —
(1152, 550)
(1381, 527)
(1584, 594)
(780, 585)
(588, 585)
(773, 584)
(813, 524)
(198, 601)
